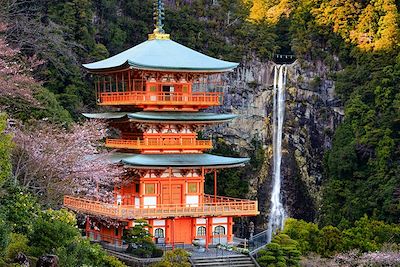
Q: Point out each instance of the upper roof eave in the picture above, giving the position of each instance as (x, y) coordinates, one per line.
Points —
(161, 55)
(128, 65)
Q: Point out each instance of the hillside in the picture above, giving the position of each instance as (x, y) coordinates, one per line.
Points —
(341, 140)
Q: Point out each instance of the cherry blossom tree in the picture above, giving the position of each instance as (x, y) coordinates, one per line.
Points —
(15, 78)
(52, 161)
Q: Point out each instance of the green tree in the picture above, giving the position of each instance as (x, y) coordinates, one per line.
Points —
(50, 234)
(282, 251)
(174, 258)
(4, 237)
(307, 234)
(20, 210)
(6, 146)
(81, 253)
(140, 240)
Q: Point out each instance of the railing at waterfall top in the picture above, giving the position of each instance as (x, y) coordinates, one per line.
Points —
(258, 242)
(284, 58)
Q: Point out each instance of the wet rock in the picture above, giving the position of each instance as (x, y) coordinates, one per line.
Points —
(22, 260)
(312, 114)
(47, 261)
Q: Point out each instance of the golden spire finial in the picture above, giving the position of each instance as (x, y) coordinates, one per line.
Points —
(159, 15)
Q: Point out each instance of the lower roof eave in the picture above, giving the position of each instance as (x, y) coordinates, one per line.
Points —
(186, 167)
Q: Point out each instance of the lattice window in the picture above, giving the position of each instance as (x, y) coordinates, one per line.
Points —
(201, 231)
(159, 233)
(219, 230)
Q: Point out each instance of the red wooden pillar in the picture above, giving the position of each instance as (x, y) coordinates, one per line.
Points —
(87, 226)
(230, 230)
(173, 233)
(215, 185)
(207, 233)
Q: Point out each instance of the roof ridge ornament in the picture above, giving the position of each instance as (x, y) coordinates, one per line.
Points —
(159, 16)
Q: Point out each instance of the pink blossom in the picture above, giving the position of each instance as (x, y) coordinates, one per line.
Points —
(53, 161)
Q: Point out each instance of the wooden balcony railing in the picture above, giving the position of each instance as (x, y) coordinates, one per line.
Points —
(219, 206)
(142, 98)
(160, 143)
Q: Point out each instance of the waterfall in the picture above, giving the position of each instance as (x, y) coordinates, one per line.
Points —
(277, 212)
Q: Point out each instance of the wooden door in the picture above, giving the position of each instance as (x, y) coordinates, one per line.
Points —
(182, 231)
(175, 190)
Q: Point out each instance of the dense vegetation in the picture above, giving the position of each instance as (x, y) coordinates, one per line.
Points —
(26, 228)
(306, 238)
(357, 40)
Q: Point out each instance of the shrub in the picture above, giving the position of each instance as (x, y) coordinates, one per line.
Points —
(305, 233)
(4, 236)
(81, 253)
(370, 235)
(20, 210)
(175, 258)
(18, 243)
(330, 241)
(48, 235)
(282, 251)
(157, 253)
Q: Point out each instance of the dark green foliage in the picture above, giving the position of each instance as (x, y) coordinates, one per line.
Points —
(49, 235)
(25, 228)
(305, 233)
(366, 235)
(174, 258)
(6, 146)
(369, 235)
(50, 108)
(362, 166)
(330, 241)
(282, 252)
(20, 210)
(47, 107)
(4, 236)
(230, 182)
(81, 253)
(140, 240)
(18, 244)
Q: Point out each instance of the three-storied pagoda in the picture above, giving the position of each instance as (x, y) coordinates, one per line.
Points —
(158, 87)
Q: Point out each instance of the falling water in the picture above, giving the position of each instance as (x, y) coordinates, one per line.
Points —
(277, 212)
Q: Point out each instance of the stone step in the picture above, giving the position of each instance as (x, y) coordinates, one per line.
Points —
(232, 257)
(233, 261)
(206, 262)
(224, 264)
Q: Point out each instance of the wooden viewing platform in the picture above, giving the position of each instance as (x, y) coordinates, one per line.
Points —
(211, 206)
(160, 144)
(145, 99)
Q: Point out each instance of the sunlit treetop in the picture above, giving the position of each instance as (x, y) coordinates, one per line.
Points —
(370, 25)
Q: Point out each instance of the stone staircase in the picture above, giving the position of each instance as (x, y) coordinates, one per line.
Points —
(231, 260)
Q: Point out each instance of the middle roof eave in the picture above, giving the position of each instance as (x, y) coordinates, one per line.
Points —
(178, 160)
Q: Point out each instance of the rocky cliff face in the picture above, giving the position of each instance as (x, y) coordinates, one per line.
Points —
(312, 114)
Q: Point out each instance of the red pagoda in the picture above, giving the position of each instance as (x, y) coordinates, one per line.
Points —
(159, 88)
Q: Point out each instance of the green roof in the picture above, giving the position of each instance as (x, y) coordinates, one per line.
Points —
(162, 55)
(144, 116)
(177, 160)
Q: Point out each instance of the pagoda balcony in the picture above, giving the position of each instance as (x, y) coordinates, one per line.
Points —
(160, 144)
(211, 206)
(160, 100)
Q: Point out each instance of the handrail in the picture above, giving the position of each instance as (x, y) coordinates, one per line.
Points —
(235, 207)
(159, 98)
(159, 143)
(258, 245)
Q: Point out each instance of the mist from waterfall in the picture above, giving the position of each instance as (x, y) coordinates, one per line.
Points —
(277, 211)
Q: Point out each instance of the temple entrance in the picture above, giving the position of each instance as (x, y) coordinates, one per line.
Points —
(171, 194)
(181, 232)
